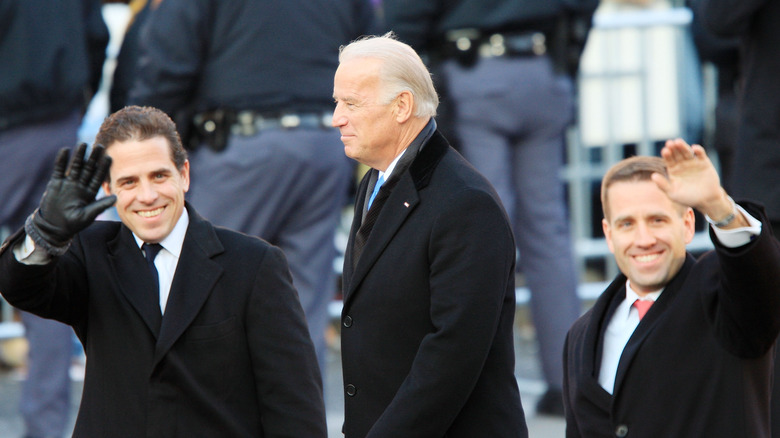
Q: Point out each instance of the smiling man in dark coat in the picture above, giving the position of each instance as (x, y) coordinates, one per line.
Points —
(698, 363)
(205, 338)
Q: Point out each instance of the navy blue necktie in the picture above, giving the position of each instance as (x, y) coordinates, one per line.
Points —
(150, 251)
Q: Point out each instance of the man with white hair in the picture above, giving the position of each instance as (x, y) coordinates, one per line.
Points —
(429, 302)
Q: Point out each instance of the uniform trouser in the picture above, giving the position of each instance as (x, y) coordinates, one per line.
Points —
(27, 157)
(511, 115)
(287, 187)
(45, 402)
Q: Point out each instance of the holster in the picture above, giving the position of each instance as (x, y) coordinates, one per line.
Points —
(212, 128)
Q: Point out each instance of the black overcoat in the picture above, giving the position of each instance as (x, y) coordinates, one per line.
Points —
(427, 342)
(231, 357)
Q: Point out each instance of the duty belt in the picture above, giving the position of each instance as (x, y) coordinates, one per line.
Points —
(214, 127)
(467, 45)
(248, 122)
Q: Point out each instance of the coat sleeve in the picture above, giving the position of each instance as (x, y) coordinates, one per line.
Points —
(280, 347)
(57, 290)
(747, 319)
(471, 256)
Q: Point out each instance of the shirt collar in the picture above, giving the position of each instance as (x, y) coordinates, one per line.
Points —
(625, 307)
(175, 239)
(632, 296)
(416, 144)
(389, 170)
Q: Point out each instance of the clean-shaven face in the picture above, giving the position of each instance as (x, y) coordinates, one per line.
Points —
(647, 233)
(368, 127)
(148, 186)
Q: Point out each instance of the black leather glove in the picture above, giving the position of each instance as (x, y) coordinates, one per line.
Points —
(68, 205)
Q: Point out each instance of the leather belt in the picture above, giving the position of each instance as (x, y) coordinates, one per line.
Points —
(249, 122)
(467, 45)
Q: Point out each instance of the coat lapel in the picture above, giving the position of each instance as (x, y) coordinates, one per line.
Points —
(402, 202)
(591, 364)
(650, 321)
(399, 205)
(195, 277)
(126, 261)
(360, 201)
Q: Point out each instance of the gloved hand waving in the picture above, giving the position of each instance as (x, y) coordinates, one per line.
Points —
(68, 205)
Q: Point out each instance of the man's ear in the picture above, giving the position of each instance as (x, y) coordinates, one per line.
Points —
(106, 187)
(607, 234)
(185, 175)
(689, 222)
(404, 103)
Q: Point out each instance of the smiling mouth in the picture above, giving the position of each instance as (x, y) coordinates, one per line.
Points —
(646, 258)
(151, 213)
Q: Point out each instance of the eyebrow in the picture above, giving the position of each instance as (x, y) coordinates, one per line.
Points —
(164, 170)
(649, 215)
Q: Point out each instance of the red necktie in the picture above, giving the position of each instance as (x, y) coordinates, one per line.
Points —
(642, 306)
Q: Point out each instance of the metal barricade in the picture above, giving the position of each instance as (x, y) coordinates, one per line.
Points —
(632, 94)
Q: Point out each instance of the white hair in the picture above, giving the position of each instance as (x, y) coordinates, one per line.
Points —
(401, 70)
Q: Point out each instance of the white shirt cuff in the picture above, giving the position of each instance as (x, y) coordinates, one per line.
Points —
(737, 237)
(28, 254)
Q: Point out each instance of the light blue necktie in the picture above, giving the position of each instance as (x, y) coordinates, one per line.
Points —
(379, 183)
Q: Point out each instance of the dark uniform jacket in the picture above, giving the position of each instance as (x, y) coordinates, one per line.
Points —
(430, 26)
(264, 55)
(52, 54)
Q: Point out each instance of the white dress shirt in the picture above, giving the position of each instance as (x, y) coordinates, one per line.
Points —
(619, 331)
(168, 258)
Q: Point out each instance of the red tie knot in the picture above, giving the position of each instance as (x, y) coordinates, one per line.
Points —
(642, 306)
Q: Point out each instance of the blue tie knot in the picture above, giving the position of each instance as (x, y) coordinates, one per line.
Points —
(378, 184)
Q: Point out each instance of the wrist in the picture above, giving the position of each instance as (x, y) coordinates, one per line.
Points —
(38, 229)
(722, 221)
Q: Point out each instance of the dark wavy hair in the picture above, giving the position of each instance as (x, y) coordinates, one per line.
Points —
(141, 123)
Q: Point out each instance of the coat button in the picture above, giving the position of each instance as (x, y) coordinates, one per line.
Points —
(621, 431)
(351, 390)
(347, 321)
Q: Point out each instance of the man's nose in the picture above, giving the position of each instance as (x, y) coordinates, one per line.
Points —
(338, 119)
(644, 235)
(147, 192)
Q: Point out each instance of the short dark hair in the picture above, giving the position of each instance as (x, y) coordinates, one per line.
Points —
(639, 168)
(142, 123)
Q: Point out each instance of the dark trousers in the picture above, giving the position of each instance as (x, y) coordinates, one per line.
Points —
(511, 116)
